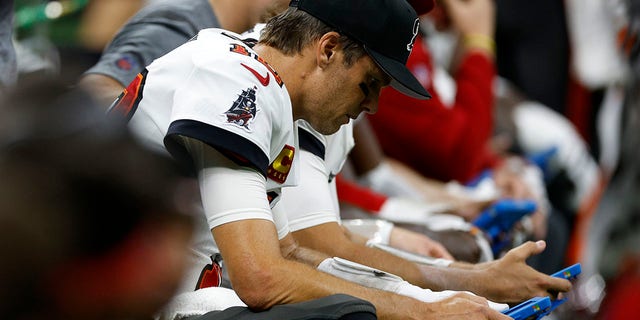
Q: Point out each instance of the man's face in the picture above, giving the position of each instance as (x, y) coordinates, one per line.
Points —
(344, 92)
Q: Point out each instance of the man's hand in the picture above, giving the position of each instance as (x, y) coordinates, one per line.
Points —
(471, 16)
(511, 280)
(465, 306)
(417, 243)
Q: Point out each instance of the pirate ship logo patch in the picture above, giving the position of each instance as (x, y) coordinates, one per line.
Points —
(244, 109)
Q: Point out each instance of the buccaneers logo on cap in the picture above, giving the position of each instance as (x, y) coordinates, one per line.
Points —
(416, 28)
(243, 109)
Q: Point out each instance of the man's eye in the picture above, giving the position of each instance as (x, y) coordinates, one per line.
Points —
(364, 88)
(374, 83)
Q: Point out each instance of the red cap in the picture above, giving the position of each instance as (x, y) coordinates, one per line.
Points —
(422, 6)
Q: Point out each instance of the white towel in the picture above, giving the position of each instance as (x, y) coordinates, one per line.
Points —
(199, 302)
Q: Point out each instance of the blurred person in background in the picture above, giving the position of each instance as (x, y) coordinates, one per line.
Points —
(92, 223)
(161, 27)
(448, 137)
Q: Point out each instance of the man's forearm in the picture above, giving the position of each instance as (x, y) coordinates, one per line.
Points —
(292, 251)
(263, 278)
(304, 284)
(103, 88)
(459, 277)
(329, 239)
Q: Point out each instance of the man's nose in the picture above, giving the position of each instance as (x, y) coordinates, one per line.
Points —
(370, 104)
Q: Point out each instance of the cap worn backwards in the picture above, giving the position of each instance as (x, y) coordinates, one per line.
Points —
(386, 28)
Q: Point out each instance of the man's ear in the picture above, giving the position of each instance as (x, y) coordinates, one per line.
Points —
(328, 46)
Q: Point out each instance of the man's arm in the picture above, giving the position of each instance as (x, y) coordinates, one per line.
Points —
(101, 20)
(316, 227)
(331, 239)
(144, 35)
(260, 274)
(263, 278)
(104, 89)
(506, 280)
(292, 251)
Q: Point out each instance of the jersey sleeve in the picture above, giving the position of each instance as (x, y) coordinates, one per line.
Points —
(314, 200)
(332, 149)
(229, 192)
(131, 50)
(233, 103)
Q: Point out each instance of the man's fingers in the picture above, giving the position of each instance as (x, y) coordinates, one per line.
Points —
(553, 287)
(496, 315)
(490, 313)
(472, 297)
(480, 307)
(558, 285)
(529, 249)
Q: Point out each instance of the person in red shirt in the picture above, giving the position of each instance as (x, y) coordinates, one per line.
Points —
(450, 141)
(440, 141)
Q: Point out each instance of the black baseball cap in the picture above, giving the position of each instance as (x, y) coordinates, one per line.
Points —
(386, 28)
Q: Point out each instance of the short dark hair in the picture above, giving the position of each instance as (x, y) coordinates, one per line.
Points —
(294, 29)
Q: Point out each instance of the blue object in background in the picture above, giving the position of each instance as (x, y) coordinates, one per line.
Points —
(497, 220)
(543, 159)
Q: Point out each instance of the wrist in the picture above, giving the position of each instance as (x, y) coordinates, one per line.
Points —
(479, 42)
(465, 265)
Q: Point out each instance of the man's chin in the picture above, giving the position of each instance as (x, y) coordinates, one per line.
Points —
(328, 127)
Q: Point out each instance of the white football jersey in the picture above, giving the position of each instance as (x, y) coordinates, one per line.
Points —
(314, 200)
(217, 90)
